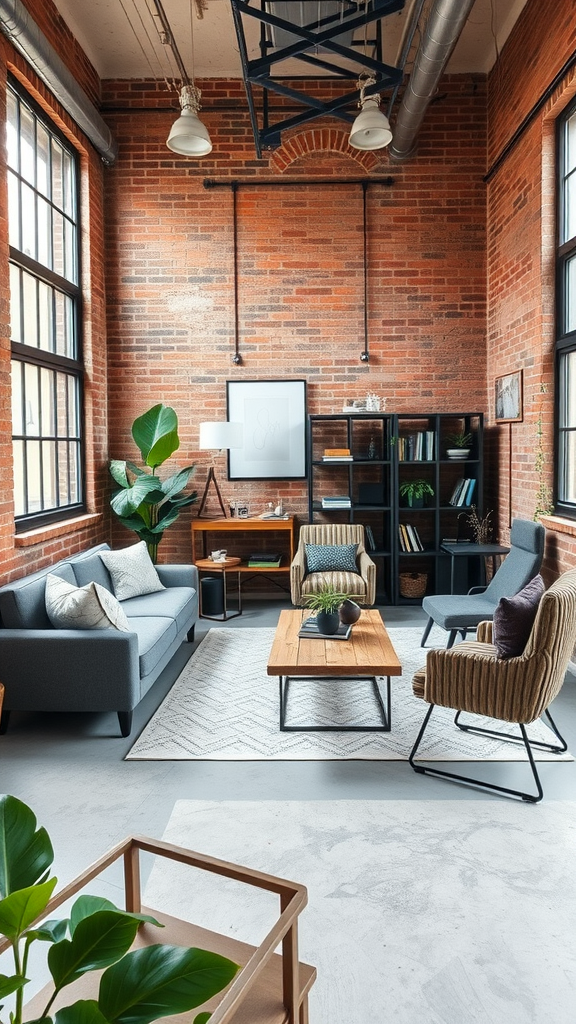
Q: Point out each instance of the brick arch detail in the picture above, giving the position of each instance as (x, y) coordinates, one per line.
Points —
(320, 140)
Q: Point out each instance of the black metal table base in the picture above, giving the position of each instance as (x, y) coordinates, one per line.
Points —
(384, 705)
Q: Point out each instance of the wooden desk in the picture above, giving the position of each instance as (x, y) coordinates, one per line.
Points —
(254, 525)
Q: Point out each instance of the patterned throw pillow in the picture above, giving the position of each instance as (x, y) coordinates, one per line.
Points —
(132, 571)
(89, 607)
(331, 557)
(514, 618)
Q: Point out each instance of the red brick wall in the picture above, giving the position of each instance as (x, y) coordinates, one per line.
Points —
(170, 271)
(520, 258)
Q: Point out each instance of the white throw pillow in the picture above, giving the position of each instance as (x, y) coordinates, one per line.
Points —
(132, 571)
(89, 607)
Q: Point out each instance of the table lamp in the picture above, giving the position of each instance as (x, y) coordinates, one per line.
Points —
(217, 437)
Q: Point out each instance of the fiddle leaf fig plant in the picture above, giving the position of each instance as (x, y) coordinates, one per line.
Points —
(145, 503)
(137, 987)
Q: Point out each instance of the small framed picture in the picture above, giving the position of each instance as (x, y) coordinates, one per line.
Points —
(508, 398)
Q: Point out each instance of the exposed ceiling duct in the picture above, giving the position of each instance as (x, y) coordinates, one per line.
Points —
(20, 28)
(445, 23)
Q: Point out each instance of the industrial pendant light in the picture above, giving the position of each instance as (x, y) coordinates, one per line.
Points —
(188, 136)
(371, 129)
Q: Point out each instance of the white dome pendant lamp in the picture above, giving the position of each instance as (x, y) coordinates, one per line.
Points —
(188, 136)
(371, 129)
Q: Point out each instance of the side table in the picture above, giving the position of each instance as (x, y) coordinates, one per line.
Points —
(230, 565)
(479, 550)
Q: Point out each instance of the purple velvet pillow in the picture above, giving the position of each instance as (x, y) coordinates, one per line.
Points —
(514, 618)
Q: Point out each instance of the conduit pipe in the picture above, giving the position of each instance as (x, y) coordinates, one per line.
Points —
(22, 31)
(445, 23)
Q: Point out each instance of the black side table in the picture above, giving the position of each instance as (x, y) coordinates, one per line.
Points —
(492, 551)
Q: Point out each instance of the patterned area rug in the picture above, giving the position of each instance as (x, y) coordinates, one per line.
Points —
(224, 707)
(419, 912)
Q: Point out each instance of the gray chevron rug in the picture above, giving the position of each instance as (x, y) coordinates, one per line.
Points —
(223, 707)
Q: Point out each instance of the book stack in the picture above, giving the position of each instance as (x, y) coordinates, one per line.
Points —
(264, 560)
(370, 542)
(463, 493)
(409, 538)
(337, 455)
(418, 447)
(337, 501)
(309, 630)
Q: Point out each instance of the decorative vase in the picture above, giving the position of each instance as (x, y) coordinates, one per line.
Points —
(349, 612)
(328, 622)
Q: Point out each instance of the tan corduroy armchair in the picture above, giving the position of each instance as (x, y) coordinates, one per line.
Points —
(361, 586)
(471, 677)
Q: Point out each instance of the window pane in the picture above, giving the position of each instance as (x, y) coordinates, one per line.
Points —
(570, 298)
(570, 146)
(48, 428)
(15, 306)
(58, 242)
(33, 476)
(42, 160)
(68, 183)
(49, 476)
(74, 467)
(567, 481)
(32, 400)
(57, 191)
(27, 160)
(45, 319)
(64, 325)
(567, 390)
(61, 405)
(12, 130)
(64, 472)
(17, 402)
(19, 496)
(28, 222)
(70, 272)
(14, 211)
(73, 410)
(29, 288)
(570, 208)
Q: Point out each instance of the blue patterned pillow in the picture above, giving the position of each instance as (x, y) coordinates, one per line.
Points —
(331, 557)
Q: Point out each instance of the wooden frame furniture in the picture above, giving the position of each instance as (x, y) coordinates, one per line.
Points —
(229, 565)
(271, 988)
(367, 654)
(202, 527)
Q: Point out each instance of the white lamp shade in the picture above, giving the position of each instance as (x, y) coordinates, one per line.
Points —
(188, 136)
(371, 129)
(216, 436)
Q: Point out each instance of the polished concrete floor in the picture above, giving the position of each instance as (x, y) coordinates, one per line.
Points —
(70, 768)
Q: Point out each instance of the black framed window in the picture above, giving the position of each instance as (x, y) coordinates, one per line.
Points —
(566, 318)
(47, 370)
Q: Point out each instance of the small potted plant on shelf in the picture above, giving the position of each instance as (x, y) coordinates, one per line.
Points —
(326, 603)
(459, 443)
(415, 492)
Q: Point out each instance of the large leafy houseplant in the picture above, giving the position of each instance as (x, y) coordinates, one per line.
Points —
(145, 503)
(136, 987)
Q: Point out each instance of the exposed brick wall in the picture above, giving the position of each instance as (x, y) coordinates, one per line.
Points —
(520, 258)
(300, 271)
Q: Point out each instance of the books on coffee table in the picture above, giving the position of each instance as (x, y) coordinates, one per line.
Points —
(309, 630)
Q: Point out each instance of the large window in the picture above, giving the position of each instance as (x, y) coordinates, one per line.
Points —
(44, 314)
(566, 319)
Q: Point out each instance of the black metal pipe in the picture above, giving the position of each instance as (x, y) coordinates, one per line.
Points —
(365, 355)
(236, 358)
(284, 183)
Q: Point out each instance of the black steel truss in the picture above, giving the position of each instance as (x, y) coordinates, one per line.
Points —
(317, 34)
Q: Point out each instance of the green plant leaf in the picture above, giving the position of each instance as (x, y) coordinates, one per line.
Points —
(146, 488)
(98, 941)
(49, 931)
(86, 906)
(173, 485)
(10, 984)
(84, 1011)
(21, 908)
(202, 1018)
(160, 980)
(25, 852)
(156, 434)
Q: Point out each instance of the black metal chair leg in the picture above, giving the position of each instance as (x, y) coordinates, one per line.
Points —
(426, 632)
(416, 767)
(540, 744)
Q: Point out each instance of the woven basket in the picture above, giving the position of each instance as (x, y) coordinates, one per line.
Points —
(413, 584)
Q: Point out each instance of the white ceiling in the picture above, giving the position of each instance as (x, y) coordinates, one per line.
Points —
(121, 39)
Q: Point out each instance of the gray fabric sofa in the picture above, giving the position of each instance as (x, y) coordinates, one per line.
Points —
(47, 669)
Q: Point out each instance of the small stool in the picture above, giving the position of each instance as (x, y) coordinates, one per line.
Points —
(230, 565)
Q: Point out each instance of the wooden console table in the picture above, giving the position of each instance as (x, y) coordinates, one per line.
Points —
(254, 525)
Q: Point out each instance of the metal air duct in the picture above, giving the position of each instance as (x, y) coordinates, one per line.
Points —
(20, 28)
(445, 23)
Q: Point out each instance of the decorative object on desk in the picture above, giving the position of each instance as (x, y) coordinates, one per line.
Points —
(273, 413)
(217, 437)
(172, 979)
(326, 603)
(242, 510)
(145, 503)
(349, 612)
(508, 398)
(219, 556)
(413, 584)
(460, 443)
(265, 560)
(355, 405)
(481, 528)
(372, 402)
(415, 492)
(310, 630)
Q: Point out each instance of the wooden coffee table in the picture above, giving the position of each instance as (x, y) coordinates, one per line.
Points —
(366, 655)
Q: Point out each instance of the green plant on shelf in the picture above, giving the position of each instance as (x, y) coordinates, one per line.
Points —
(325, 599)
(415, 491)
(460, 439)
(139, 986)
(481, 528)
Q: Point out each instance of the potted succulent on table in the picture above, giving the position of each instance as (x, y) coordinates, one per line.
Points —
(326, 603)
(415, 491)
(137, 986)
(459, 443)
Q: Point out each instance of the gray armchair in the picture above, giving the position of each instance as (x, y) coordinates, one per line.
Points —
(460, 613)
(360, 586)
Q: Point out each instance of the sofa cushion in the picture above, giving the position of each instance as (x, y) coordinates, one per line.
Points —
(155, 635)
(92, 570)
(89, 607)
(331, 557)
(178, 603)
(23, 602)
(132, 571)
(514, 618)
